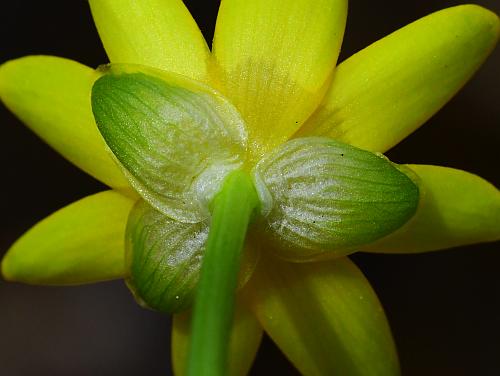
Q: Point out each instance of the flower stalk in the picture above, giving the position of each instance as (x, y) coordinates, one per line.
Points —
(232, 210)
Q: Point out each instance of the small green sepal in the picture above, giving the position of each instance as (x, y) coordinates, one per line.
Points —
(322, 198)
(163, 259)
(170, 134)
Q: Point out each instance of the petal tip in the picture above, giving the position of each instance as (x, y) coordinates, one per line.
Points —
(486, 16)
(4, 73)
(7, 274)
(10, 269)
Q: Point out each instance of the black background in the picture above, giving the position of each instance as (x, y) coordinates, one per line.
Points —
(444, 307)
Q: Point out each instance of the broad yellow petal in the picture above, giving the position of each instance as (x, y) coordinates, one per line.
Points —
(81, 243)
(456, 208)
(325, 317)
(275, 58)
(383, 93)
(158, 33)
(245, 340)
(52, 96)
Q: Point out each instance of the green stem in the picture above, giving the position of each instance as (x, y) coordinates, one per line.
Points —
(215, 295)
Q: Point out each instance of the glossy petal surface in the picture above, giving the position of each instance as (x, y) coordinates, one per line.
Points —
(386, 91)
(51, 96)
(325, 318)
(245, 340)
(457, 208)
(81, 243)
(157, 33)
(275, 58)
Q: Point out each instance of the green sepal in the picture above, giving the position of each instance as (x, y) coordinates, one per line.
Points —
(163, 259)
(323, 198)
(176, 138)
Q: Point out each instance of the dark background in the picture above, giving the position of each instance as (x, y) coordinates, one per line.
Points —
(444, 307)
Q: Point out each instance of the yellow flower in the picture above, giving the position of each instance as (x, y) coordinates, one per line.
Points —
(274, 60)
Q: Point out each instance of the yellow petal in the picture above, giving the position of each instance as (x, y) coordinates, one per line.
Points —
(52, 96)
(275, 58)
(157, 33)
(81, 243)
(456, 208)
(325, 317)
(383, 93)
(245, 340)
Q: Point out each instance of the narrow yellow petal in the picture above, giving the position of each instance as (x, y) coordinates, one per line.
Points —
(456, 208)
(325, 317)
(81, 243)
(52, 96)
(274, 61)
(383, 93)
(157, 33)
(245, 340)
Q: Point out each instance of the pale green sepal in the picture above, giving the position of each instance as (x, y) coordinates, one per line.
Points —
(245, 337)
(324, 198)
(157, 33)
(386, 91)
(51, 96)
(176, 138)
(324, 316)
(164, 256)
(81, 243)
(456, 208)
